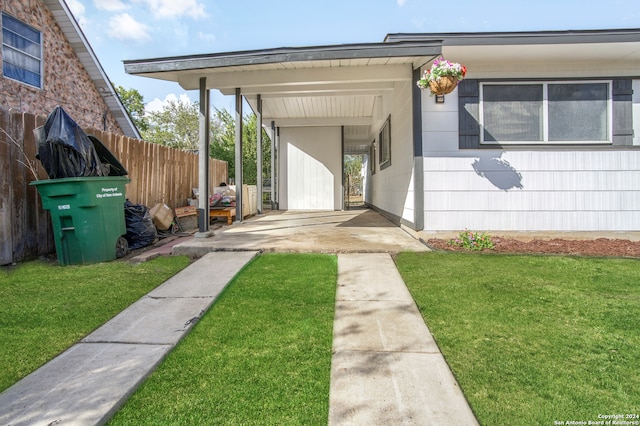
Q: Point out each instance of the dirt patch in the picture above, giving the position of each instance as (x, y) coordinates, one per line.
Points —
(595, 247)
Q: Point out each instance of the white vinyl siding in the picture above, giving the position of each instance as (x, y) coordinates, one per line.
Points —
(311, 158)
(391, 188)
(544, 189)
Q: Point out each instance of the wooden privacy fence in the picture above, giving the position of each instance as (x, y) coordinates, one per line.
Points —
(158, 175)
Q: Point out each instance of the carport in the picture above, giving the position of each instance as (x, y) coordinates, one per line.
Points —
(326, 101)
(347, 231)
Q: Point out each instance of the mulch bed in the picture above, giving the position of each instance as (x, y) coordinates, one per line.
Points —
(596, 247)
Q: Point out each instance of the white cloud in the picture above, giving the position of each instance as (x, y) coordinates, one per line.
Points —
(401, 2)
(174, 9)
(418, 23)
(158, 105)
(78, 10)
(76, 7)
(110, 5)
(208, 38)
(125, 27)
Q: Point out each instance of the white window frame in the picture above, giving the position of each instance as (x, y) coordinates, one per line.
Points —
(40, 59)
(545, 112)
(384, 148)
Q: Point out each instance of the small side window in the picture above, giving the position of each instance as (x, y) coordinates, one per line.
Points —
(385, 144)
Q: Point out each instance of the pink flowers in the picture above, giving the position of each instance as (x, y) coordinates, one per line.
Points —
(442, 68)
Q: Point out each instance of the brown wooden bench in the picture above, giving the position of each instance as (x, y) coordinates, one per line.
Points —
(228, 212)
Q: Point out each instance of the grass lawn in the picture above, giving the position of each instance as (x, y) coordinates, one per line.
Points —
(46, 308)
(534, 339)
(260, 355)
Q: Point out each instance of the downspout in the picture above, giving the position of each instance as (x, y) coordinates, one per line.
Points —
(203, 162)
(259, 154)
(238, 177)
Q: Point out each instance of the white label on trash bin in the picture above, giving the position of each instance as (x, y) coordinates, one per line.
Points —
(64, 207)
(109, 192)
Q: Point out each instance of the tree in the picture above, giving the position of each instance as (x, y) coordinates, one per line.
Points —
(223, 145)
(133, 101)
(176, 126)
(224, 140)
(353, 174)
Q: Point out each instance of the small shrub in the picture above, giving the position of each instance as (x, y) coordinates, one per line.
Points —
(473, 240)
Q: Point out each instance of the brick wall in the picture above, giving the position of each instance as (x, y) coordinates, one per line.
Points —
(66, 82)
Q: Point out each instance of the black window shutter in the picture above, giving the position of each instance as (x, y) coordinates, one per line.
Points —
(468, 110)
(622, 112)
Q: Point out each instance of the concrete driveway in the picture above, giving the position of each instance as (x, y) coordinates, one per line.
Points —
(352, 231)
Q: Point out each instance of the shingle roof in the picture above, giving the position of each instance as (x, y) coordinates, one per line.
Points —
(83, 50)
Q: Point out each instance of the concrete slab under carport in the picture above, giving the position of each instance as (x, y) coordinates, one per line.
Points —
(349, 231)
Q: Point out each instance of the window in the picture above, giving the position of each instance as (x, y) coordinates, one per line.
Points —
(372, 157)
(548, 112)
(21, 52)
(385, 144)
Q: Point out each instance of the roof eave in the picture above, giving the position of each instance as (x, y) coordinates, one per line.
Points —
(89, 60)
(281, 55)
(522, 37)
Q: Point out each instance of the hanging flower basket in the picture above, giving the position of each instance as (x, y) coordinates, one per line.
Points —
(442, 77)
(443, 85)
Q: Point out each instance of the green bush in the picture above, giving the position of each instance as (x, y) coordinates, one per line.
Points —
(473, 240)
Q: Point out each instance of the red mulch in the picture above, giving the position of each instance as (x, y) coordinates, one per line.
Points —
(596, 247)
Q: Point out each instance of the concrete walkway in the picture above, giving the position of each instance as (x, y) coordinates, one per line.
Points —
(89, 382)
(386, 368)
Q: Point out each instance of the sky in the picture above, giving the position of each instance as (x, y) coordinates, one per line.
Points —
(119, 30)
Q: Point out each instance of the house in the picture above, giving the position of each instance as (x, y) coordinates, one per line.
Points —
(47, 61)
(542, 135)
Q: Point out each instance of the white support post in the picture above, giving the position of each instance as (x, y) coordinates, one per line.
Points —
(203, 162)
(272, 175)
(238, 178)
(259, 154)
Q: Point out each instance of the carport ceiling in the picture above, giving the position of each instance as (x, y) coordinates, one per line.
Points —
(308, 86)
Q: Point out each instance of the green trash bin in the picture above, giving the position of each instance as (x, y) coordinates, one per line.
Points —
(87, 214)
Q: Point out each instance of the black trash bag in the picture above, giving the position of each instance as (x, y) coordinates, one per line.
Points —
(110, 164)
(141, 231)
(64, 149)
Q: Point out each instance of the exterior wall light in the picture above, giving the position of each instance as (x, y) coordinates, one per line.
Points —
(439, 99)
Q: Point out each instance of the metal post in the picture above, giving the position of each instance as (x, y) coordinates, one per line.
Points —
(238, 178)
(273, 168)
(203, 162)
(343, 206)
(259, 154)
(276, 175)
(418, 156)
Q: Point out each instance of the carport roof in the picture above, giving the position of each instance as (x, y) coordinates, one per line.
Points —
(336, 85)
(342, 85)
(388, 53)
